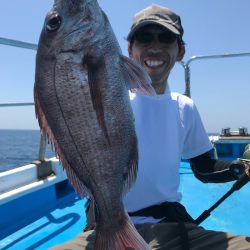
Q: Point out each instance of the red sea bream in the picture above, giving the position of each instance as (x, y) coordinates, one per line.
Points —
(82, 104)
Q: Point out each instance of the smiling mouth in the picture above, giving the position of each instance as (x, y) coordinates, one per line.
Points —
(154, 63)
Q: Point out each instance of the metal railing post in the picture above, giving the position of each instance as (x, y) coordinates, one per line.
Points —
(42, 147)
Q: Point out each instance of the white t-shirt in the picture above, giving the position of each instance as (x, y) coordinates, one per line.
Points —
(168, 128)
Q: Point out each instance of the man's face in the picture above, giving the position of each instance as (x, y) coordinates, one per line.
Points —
(157, 50)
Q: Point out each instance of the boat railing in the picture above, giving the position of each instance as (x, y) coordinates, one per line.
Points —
(185, 65)
(16, 43)
(30, 46)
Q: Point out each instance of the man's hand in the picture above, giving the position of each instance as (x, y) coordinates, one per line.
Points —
(241, 165)
(237, 168)
(245, 177)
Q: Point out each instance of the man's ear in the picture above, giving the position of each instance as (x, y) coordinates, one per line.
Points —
(181, 53)
(130, 45)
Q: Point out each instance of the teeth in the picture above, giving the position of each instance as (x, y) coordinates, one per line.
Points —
(154, 63)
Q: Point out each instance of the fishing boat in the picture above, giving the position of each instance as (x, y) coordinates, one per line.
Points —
(39, 208)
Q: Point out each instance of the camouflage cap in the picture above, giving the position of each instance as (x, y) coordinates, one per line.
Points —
(156, 14)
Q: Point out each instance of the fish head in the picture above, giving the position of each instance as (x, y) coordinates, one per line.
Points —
(67, 35)
(69, 26)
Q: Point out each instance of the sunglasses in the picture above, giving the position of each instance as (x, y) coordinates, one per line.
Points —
(145, 37)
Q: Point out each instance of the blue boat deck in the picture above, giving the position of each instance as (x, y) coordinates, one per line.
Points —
(62, 221)
(55, 225)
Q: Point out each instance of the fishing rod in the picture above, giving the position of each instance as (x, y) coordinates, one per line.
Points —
(242, 181)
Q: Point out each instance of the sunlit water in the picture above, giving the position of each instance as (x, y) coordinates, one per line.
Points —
(19, 147)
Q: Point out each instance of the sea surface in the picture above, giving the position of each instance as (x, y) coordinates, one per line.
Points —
(20, 147)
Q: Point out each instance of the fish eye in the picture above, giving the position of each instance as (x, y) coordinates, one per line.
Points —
(53, 21)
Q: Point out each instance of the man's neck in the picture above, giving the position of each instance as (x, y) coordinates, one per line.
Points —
(160, 87)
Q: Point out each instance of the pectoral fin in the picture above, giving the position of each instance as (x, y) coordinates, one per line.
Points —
(137, 78)
(95, 73)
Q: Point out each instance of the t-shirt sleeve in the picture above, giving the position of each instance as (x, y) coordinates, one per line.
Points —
(196, 140)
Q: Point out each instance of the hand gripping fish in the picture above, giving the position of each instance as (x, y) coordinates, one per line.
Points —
(82, 104)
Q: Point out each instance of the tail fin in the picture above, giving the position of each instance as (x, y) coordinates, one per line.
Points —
(125, 237)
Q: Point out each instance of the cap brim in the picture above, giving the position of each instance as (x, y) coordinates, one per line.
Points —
(168, 26)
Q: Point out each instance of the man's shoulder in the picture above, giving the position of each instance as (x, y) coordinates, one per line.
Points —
(182, 100)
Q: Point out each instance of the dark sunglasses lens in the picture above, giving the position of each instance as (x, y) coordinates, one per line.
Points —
(144, 37)
(148, 37)
(167, 37)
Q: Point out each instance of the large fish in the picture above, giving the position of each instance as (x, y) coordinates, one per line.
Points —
(82, 104)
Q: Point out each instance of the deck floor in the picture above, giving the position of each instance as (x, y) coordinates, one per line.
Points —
(68, 219)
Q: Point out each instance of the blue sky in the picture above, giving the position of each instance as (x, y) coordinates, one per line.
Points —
(220, 88)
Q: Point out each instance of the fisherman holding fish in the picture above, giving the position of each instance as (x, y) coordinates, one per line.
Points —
(168, 128)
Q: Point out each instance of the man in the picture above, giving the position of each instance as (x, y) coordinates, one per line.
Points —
(168, 127)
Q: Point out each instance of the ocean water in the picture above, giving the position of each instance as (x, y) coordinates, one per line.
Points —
(20, 147)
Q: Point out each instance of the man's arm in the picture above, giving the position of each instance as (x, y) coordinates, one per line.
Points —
(215, 171)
